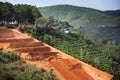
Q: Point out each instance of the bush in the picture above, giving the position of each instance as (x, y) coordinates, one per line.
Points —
(14, 68)
(7, 57)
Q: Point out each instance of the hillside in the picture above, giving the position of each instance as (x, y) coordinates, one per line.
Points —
(14, 68)
(51, 59)
(102, 54)
(88, 21)
(112, 12)
(68, 12)
(77, 58)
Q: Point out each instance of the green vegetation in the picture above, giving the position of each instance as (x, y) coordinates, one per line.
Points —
(108, 33)
(68, 12)
(14, 68)
(80, 16)
(76, 45)
(94, 24)
(112, 12)
(39, 29)
(102, 54)
(22, 13)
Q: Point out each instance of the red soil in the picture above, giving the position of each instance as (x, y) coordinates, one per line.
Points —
(69, 70)
(35, 52)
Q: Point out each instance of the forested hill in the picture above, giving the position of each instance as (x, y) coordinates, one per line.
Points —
(94, 24)
(112, 12)
(68, 12)
(81, 16)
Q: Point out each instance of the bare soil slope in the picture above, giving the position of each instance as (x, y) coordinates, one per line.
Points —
(42, 55)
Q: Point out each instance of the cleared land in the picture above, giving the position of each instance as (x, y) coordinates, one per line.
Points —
(35, 52)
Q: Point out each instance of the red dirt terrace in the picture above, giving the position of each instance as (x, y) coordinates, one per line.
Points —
(64, 66)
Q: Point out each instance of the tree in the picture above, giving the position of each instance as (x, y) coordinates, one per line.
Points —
(36, 12)
(7, 11)
(22, 13)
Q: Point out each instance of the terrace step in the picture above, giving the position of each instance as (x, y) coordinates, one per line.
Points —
(46, 54)
(32, 49)
(41, 55)
(25, 44)
(6, 33)
(15, 39)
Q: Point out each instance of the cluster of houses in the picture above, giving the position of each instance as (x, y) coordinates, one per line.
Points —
(8, 23)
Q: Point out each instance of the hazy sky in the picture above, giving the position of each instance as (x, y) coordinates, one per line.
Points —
(96, 4)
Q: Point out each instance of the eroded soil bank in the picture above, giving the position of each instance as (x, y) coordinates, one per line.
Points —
(42, 55)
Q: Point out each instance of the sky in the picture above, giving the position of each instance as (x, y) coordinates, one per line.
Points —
(95, 4)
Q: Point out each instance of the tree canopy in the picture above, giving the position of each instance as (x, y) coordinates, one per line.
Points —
(22, 13)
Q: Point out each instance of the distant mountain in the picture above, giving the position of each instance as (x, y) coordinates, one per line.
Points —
(113, 12)
(79, 16)
(68, 12)
(94, 24)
